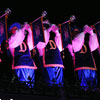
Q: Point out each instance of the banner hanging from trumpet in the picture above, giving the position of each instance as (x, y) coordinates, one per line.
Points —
(37, 30)
(3, 29)
(65, 34)
(96, 28)
(66, 31)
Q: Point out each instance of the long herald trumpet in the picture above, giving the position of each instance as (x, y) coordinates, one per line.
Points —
(7, 12)
(44, 14)
(71, 19)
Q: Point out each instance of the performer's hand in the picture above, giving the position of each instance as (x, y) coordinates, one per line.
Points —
(70, 48)
(33, 53)
(26, 26)
(54, 27)
(6, 45)
(55, 30)
(1, 50)
(40, 45)
(87, 29)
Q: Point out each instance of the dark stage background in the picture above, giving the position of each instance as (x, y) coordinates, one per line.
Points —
(58, 12)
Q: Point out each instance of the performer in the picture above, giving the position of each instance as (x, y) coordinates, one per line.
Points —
(96, 55)
(69, 73)
(5, 57)
(50, 51)
(84, 62)
(20, 44)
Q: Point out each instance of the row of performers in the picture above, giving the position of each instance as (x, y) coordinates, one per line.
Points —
(21, 53)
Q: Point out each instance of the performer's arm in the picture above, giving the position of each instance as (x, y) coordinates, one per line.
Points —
(70, 48)
(54, 28)
(58, 40)
(93, 41)
(16, 39)
(29, 38)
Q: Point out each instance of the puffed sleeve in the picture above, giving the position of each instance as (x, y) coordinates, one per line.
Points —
(93, 41)
(16, 39)
(41, 45)
(30, 40)
(58, 40)
(78, 42)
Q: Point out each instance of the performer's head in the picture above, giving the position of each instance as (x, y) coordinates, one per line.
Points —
(15, 26)
(46, 24)
(75, 30)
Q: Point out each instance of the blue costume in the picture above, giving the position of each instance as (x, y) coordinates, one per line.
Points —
(52, 62)
(22, 63)
(84, 44)
(86, 68)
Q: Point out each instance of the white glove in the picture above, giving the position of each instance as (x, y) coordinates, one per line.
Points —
(41, 45)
